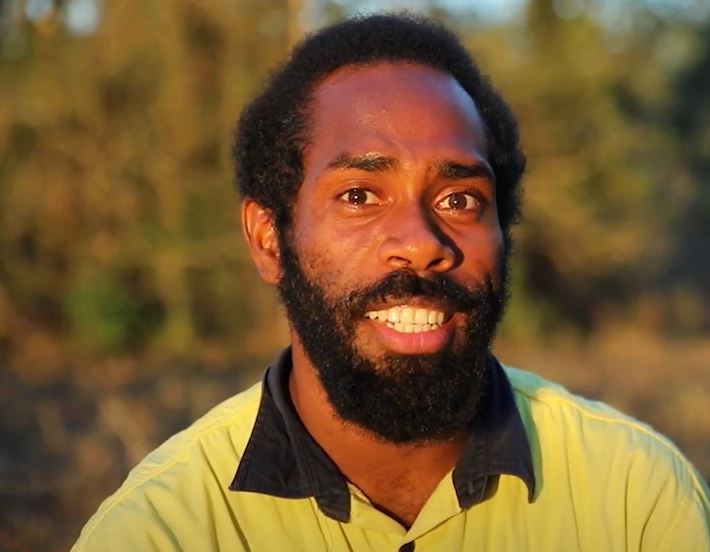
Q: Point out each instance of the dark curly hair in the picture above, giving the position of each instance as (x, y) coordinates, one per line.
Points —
(273, 130)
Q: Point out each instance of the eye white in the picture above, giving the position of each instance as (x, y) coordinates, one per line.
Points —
(359, 196)
(458, 201)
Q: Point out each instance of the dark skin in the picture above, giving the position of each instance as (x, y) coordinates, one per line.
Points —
(396, 176)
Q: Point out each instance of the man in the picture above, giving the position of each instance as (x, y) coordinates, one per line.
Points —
(380, 174)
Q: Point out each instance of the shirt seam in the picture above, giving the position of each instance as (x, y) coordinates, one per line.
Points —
(169, 463)
(621, 420)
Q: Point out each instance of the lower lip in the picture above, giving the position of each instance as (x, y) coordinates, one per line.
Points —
(411, 343)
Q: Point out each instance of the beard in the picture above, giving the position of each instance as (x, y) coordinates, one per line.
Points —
(398, 398)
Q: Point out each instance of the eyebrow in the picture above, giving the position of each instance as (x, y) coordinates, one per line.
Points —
(371, 162)
(375, 162)
(460, 171)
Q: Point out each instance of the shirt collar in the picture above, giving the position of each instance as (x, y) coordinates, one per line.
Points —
(282, 459)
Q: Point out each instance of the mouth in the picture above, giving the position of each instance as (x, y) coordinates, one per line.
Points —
(409, 319)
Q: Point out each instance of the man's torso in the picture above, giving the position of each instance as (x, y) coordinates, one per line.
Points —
(603, 481)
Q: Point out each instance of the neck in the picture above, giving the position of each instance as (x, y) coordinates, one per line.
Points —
(396, 477)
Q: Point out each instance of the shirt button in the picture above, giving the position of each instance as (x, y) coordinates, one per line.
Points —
(407, 547)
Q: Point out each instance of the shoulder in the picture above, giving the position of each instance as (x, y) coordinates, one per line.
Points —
(536, 394)
(178, 481)
(587, 452)
(552, 407)
(548, 409)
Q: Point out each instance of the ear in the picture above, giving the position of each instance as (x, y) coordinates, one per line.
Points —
(262, 238)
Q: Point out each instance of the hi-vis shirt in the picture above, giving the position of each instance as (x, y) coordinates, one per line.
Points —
(543, 470)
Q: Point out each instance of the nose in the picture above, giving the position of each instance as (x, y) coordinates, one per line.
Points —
(413, 241)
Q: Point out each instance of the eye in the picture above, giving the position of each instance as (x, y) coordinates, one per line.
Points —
(459, 201)
(359, 196)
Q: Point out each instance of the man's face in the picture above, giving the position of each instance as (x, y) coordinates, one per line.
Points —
(393, 268)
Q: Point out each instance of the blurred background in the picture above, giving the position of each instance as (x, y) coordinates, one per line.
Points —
(129, 306)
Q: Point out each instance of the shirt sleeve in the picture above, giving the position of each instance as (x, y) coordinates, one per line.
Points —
(680, 517)
(126, 526)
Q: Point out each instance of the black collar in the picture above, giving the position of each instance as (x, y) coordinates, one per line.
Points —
(282, 459)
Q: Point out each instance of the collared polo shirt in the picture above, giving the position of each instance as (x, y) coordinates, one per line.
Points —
(283, 460)
(542, 470)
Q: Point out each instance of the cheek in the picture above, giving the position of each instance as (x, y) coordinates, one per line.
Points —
(332, 251)
(483, 255)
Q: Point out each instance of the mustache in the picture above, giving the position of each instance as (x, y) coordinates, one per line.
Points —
(403, 284)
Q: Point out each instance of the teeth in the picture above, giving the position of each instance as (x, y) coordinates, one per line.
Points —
(408, 319)
(421, 316)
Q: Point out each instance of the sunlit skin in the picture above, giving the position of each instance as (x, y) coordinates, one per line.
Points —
(396, 177)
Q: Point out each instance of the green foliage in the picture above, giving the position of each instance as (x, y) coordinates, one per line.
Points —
(689, 266)
(114, 161)
(108, 315)
(607, 175)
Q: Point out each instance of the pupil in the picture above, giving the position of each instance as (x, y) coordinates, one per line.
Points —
(457, 201)
(356, 197)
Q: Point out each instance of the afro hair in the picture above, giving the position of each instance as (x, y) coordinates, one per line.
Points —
(273, 130)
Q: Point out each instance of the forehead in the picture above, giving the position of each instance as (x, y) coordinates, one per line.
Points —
(395, 105)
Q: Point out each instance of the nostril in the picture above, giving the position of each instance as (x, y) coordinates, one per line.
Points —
(399, 262)
(436, 263)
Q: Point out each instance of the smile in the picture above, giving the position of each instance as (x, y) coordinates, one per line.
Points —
(407, 319)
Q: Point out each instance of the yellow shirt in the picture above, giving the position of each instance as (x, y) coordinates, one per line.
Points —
(602, 482)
